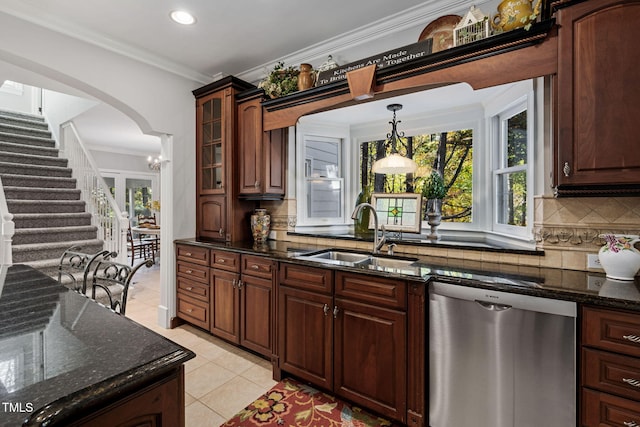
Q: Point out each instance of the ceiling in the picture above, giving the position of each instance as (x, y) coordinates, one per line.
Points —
(229, 37)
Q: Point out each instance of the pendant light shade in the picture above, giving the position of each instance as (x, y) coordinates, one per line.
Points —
(394, 163)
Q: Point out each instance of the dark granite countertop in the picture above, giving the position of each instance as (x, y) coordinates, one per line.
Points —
(570, 285)
(63, 355)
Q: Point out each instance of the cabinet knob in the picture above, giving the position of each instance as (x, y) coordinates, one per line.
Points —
(256, 184)
(630, 423)
(189, 288)
(240, 284)
(233, 283)
(189, 271)
(187, 253)
(189, 310)
(566, 169)
(221, 260)
(336, 310)
(325, 309)
(255, 267)
(221, 232)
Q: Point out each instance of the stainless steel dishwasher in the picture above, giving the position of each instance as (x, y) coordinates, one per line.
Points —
(500, 359)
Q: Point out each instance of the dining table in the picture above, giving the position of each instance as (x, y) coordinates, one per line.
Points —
(146, 230)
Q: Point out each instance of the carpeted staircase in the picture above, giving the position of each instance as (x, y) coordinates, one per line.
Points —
(47, 211)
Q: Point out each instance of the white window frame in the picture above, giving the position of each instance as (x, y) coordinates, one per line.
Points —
(120, 177)
(499, 126)
(322, 131)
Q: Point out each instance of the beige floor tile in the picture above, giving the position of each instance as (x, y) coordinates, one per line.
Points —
(210, 351)
(195, 363)
(260, 375)
(206, 378)
(199, 415)
(232, 396)
(188, 399)
(237, 363)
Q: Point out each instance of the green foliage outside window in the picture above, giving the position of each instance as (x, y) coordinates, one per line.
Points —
(449, 153)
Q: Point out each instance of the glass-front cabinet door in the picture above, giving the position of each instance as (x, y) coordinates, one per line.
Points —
(211, 144)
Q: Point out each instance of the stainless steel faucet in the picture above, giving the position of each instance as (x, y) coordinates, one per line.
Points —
(378, 242)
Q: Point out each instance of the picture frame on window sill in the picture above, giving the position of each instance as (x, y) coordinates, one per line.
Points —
(400, 212)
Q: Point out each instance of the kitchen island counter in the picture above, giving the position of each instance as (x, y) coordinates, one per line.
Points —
(63, 357)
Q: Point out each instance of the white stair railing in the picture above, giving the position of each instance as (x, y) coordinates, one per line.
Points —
(7, 228)
(111, 222)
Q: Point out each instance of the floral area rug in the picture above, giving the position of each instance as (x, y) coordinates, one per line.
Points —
(290, 403)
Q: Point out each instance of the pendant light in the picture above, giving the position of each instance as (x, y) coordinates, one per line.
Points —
(394, 162)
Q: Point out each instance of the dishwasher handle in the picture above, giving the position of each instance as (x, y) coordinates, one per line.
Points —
(493, 306)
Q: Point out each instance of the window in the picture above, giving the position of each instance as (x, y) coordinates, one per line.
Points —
(483, 145)
(321, 186)
(12, 87)
(448, 152)
(132, 192)
(512, 173)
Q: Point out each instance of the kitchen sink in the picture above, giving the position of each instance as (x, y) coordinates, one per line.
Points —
(359, 259)
(338, 257)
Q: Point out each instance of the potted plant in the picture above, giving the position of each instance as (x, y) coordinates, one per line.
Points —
(281, 81)
(434, 190)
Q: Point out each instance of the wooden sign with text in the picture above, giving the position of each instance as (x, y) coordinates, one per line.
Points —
(386, 59)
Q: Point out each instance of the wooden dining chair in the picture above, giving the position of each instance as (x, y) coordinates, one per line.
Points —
(140, 247)
(149, 220)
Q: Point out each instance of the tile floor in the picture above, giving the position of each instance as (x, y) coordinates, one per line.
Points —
(222, 379)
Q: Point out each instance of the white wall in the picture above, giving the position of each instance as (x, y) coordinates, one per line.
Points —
(21, 102)
(59, 108)
(160, 103)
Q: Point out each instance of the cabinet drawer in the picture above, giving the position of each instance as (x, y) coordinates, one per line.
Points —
(601, 409)
(223, 260)
(193, 254)
(257, 266)
(611, 373)
(613, 330)
(376, 290)
(193, 271)
(304, 277)
(193, 311)
(193, 289)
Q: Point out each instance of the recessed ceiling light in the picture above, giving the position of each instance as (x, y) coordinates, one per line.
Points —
(182, 17)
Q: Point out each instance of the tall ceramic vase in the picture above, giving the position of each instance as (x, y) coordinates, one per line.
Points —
(260, 225)
(619, 257)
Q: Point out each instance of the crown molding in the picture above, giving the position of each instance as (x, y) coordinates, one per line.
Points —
(387, 27)
(37, 17)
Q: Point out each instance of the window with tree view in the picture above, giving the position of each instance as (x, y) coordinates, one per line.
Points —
(511, 175)
(450, 153)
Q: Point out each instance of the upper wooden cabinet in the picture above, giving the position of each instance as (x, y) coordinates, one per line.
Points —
(597, 92)
(261, 154)
(220, 215)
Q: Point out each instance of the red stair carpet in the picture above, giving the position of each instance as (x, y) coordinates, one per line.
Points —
(291, 403)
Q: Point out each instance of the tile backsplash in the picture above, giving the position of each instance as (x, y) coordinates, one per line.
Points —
(567, 229)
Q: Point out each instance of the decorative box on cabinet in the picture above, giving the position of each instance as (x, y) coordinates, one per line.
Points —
(597, 92)
(351, 340)
(220, 214)
(262, 154)
(610, 380)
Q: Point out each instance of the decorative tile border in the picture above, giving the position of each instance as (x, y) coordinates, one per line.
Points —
(575, 237)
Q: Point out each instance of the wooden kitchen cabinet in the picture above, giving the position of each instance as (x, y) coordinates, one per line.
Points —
(220, 215)
(256, 304)
(225, 295)
(349, 337)
(262, 155)
(192, 285)
(597, 92)
(305, 327)
(158, 404)
(610, 372)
